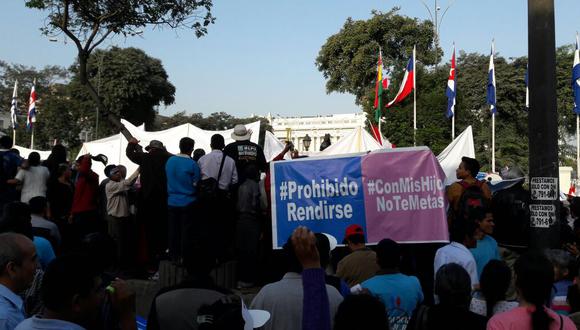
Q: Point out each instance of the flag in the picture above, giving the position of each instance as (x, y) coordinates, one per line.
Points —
(408, 83)
(576, 77)
(527, 89)
(31, 118)
(380, 86)
(377, 134)
(572, 190)
(450, 92)
(14, 105)
(491, 98)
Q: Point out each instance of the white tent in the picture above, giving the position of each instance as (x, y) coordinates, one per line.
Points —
(24, 152)
(114, 146)
(358, 140)
(450, 157)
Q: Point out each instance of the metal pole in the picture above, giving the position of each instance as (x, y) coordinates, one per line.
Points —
(493, 143)
(13, 136)
(453, 127)
(543, 127)
(414, 99)
(32, 138)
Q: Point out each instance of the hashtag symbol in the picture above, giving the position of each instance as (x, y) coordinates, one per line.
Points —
(371, 187)
(283, 190)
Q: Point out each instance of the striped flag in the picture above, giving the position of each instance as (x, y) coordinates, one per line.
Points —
(31, 118)
(576, 77)
(380, 86)
(14, 105)
(450, 92)
(408, 83)
(491, 96)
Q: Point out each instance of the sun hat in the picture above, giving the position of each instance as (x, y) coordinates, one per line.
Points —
(241, 133)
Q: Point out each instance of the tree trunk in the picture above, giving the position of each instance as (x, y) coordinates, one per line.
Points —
(112, 118)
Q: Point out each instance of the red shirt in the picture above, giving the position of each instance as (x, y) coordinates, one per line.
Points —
(86, 188)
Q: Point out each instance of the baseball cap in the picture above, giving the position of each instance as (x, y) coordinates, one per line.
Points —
(154, 144)
(353, 230)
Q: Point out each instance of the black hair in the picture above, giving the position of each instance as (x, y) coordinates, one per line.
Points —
(108, 170)
(101, 249)
(361, 311)
(186, 145)
(453, 286)
(16, 218)
(323, 246)
(34, 159)
(466, 227)
(62, 168)
(10, 250)
(472, 165)
(66, 277)
(57, 154)
(6, 142)
(575, 207)
(217, 142)
(534, 279)
(15, 151)
(388, 254)
(198, 153)
(292, 262)
(356, 239)
(495, 281)
(37, 204)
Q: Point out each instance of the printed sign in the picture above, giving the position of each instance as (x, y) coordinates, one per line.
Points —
(397, 194)
(542, 215)
(544, 188)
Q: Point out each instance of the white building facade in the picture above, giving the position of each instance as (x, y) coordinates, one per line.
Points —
(296, 128)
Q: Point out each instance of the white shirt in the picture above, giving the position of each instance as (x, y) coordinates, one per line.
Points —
(457, 253)
(34, 181)
(209, 165)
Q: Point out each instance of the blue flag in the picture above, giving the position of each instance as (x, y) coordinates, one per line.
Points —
(576, 77)
(491, 98)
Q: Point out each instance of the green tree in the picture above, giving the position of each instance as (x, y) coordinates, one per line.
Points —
(90, 22)
(131, 84)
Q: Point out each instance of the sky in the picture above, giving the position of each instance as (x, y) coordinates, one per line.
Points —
(259, 56)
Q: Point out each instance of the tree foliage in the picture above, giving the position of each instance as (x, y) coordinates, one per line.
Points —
(90, 22)
(131, 84)
(348, 59)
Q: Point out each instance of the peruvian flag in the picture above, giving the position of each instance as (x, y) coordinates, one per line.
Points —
(408, 83)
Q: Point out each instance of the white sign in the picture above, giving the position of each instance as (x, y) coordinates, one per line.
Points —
(542, 216)
(544, 188)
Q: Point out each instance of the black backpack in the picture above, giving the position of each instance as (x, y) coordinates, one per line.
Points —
(209, 188)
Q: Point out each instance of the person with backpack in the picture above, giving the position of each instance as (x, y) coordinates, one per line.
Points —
(468, 191)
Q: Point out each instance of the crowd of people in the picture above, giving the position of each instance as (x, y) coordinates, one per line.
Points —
(68, 242)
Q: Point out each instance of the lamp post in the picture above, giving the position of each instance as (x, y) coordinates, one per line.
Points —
(436, 19)
(306, 141)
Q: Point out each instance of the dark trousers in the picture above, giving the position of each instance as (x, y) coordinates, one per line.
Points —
(123, 230)
(152, 215)
(180, 223)
(219, 224)
(247, 247)
(85, 223)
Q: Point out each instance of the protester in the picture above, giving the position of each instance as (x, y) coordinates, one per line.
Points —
(491, 298)
(38, 209)
(84, 207)
(16, 219)
(573, 299)
(10, 163)
(453, 287)
(197, 154)
(121, 225)
(361, 312)
(325, 142)
(244, 152)
(284, 299)
(73, 295)
(175, 308)
(324, 249)
(534, 278)
(218, 174)
(152, 197)
(248, 227)
(562, 263)
(462, 236)
(400, 293)
(17, 269)
(361, 263)
(58, 155)
(466, 173)
(34, 179)
(102, 200)
(486, 247)
(183, 175)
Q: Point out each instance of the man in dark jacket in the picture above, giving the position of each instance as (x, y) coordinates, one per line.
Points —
(152, 198)
(245, 152)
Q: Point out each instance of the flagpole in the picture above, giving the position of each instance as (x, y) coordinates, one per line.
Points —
(414, 100)
(32, 138)
(493, 143)
(453, 128)
(13, 136)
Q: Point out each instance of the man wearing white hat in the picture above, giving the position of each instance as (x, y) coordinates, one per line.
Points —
(245, 152)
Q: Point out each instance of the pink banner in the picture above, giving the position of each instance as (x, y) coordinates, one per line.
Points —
(404, 196)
